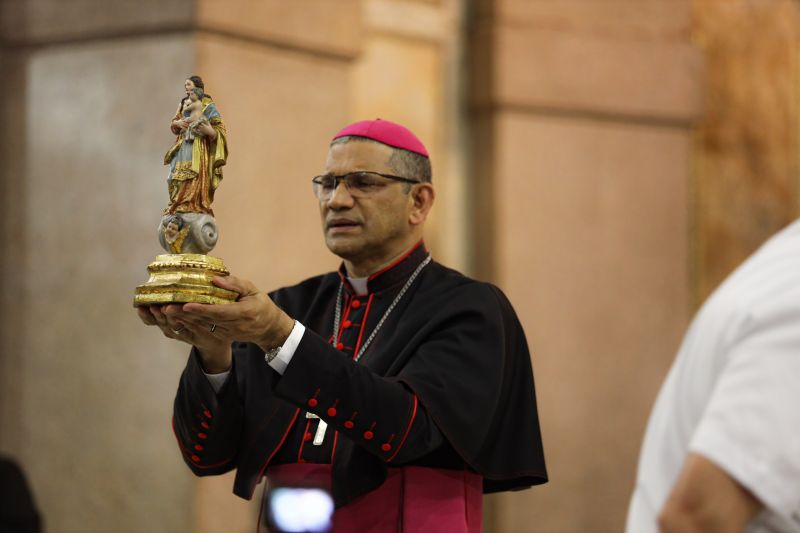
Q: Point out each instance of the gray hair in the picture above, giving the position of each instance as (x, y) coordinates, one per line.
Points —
(404, 163)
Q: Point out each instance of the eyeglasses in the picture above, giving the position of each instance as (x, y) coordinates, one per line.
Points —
(360, 184)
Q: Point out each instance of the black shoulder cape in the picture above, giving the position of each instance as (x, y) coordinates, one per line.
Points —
(447, 380)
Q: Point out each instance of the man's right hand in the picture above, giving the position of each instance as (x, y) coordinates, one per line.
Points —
(214, 348)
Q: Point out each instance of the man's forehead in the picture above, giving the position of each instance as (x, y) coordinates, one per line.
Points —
(358, 155)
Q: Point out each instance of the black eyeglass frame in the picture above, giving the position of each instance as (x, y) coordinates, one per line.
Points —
(339, 179)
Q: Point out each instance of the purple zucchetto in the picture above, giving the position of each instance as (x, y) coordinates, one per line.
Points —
(385, 132)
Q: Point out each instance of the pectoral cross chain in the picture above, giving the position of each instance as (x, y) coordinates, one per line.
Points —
(319, 436)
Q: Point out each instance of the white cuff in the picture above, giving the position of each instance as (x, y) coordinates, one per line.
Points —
(217, 380)
(286, 353)
(280, 362)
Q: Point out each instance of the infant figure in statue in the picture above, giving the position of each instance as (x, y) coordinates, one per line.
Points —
(193, 113)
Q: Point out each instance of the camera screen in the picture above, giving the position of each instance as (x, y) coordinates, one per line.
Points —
(299, 510)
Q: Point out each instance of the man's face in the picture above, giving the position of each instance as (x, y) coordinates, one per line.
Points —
(365, 228)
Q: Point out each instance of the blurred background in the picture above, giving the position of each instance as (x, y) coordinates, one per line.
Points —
(606, 163)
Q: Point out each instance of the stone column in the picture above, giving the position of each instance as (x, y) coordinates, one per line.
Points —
(409, 71)
(89, 88)
(85, 390)
(583, 114)
(746, 185)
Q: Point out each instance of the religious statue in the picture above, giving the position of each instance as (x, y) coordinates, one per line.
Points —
(200, 151)
(188, 230)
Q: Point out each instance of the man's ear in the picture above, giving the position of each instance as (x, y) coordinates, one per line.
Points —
(422, 197)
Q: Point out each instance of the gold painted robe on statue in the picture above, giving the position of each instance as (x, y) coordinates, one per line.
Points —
(196, 166)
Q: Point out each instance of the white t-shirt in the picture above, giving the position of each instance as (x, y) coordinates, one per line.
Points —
(733, 393)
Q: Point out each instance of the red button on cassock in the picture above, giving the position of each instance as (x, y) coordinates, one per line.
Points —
(198, 447)
(368, 435)
(356, 304)
(346, 324)
(202, 435)
(339, 345)
(307, 437)
(332, 411)
(204, 424)
(207, 413)
(312, 402)
(195, 458)
(386, 447)
(349, 424)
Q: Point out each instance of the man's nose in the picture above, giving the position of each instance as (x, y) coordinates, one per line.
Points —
(340, 198)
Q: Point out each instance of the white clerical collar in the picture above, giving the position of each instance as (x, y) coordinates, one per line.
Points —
(359, 285)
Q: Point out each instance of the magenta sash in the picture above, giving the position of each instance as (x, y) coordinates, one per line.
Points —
(412, 499)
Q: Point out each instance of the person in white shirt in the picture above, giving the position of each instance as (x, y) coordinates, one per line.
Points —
(722, 446)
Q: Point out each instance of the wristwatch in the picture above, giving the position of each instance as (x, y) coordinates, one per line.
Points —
(269, 355)
(272, 353)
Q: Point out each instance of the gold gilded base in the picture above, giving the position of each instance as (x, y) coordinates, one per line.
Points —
(182, 278)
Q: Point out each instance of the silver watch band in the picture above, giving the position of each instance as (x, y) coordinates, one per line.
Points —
(272, 353)
(269, 355)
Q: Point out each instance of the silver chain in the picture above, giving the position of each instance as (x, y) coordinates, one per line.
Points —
(338, 313)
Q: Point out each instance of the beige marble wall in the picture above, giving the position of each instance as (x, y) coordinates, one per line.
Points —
(12, 249)
(319, 27)
(86, 394)
(408, 72)
(747, 184)
(583, 113)
(49, 22)
(592, 252)
(88, 414)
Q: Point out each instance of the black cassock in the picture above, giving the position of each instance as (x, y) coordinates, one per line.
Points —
(445, 383)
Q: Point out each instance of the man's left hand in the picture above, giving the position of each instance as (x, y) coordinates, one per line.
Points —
(254, 317)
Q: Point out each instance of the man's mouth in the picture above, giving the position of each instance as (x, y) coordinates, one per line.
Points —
(340, 225)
